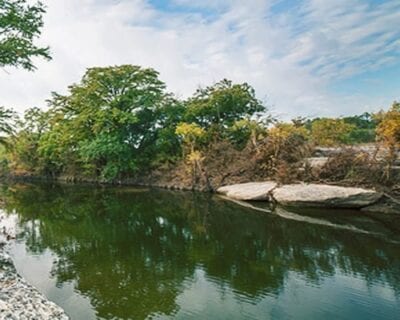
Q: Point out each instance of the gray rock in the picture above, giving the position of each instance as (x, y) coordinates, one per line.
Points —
(316, 195)
(257, 191)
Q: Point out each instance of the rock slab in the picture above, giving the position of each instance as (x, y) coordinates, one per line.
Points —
(315, 195)
(252, 191)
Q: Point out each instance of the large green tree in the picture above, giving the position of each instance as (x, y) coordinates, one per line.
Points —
(20, 25)
(222, 104)
(109, 123)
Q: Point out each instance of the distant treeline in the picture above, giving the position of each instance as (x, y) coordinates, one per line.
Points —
(121, 121)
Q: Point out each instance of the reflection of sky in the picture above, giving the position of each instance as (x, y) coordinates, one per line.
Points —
(306, 57)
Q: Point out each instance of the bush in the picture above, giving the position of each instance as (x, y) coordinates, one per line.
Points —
(330, 132)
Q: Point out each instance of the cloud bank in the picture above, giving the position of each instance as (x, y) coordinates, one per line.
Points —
(299, 55)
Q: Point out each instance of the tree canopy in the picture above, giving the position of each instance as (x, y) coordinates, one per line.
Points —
(107, 122)
(119, 120)
(222, 104)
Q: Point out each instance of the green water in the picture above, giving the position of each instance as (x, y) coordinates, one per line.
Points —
(126, 253)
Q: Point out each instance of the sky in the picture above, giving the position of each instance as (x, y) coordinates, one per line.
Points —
(304, 58)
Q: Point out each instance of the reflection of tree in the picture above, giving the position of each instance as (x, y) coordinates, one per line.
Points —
(121, 255)
(130, 252)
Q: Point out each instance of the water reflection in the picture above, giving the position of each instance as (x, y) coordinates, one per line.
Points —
(134, 253)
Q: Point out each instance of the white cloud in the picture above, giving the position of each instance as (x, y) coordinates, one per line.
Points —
(290, 57)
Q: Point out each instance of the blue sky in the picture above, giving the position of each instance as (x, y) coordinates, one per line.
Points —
(309, 57)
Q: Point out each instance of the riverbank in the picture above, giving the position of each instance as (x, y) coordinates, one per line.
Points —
(18, 299)
(301, 194)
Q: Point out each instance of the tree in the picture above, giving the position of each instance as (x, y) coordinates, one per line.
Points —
(388, 129)
(110, 121)
(245, 130)
(364, 127)
(222, 104)
(286, 136)
(192, 134)
(20, 25)
(388, 132)
(167, 146)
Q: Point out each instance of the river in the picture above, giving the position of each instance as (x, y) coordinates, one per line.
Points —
(138, 253)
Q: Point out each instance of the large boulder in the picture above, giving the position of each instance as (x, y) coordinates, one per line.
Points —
(257, 191)
(316, 195)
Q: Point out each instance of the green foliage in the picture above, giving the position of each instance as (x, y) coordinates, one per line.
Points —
(20, 25)
(222, 104)
(192, 135)
(166, 145)
(330, 132)
(245, 130)
(25, 143)
(109, 153)
(120, 121)
(286, 141)
(281, 131)
(348, 130)
(364, 127)
(110, 120)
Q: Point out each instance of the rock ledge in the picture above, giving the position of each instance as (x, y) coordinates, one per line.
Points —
(256, 191)
(303, 195)
(316, 195)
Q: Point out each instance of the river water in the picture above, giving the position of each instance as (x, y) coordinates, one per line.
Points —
(135, 253)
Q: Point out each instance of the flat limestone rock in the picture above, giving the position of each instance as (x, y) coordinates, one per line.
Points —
(316, 195)
(256, 191)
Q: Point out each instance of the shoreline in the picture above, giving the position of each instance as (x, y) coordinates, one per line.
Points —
(132, 182)
(18, 298)
(386, 203)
